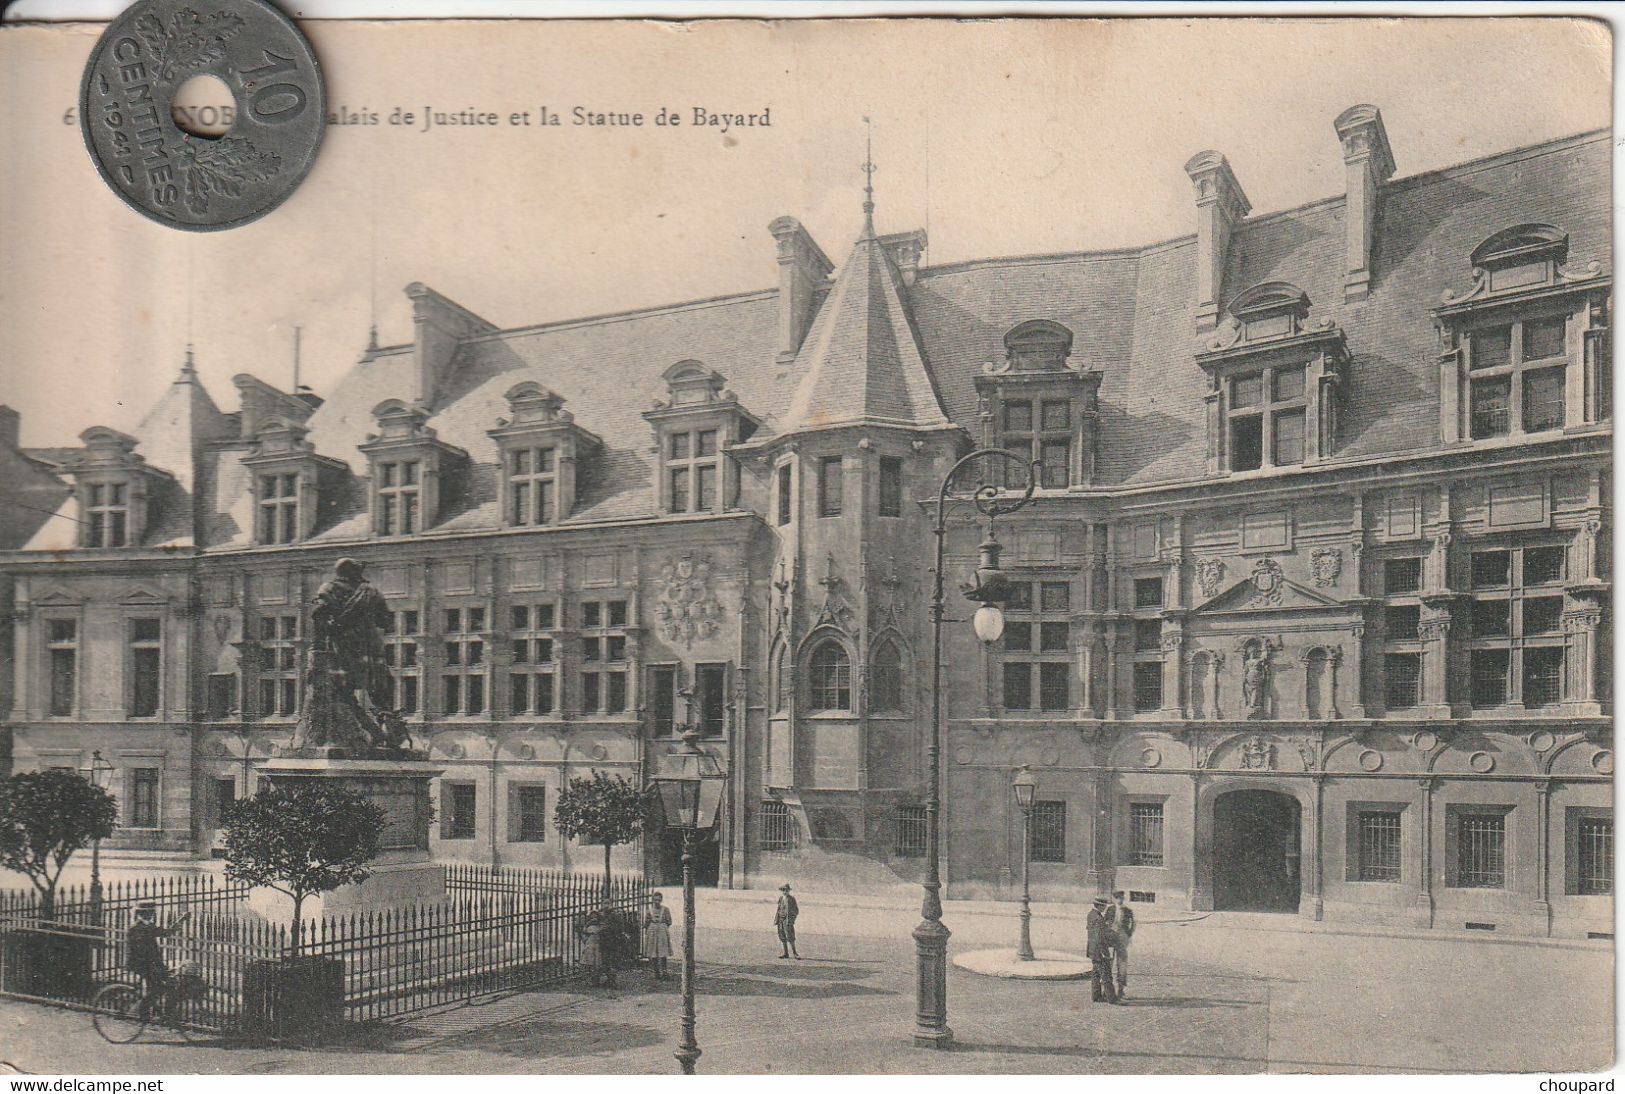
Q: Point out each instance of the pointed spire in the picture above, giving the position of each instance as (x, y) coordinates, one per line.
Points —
(868, 180)
(372, 338)
(187, 369)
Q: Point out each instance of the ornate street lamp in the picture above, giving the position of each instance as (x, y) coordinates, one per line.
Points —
(99, 774)
(690, 800)
(991, 590)
(1025, 785)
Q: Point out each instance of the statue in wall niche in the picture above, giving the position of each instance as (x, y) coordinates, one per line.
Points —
(348, 688)
(1256, 672)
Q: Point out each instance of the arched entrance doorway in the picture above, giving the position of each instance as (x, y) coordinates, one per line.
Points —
(1256, 851)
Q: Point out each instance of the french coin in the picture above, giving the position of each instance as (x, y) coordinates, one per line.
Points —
(195, 183)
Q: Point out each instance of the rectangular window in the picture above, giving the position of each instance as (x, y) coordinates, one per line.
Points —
(1492, 347)
(220, 697)
(1055, 457)
(1054, 685)
(1246, 391)
(1542, 565)
(532, 477)
(663, 701)
(225, 794)
(146, 668)
(1491, 568)
(1018, 685)
(1057, 415)
(530, 808)
(829, 486)
(278, 508)
(1048, 831)
(1403, 673)
(778, 827)
(62, 652)
(279, 666)
(1288, 384)
(459, 816)
(401, 656)
(784, 495)
(1544, 339)
(1145, 834)
(1481, 851)
(144, 808)
(463, 673)
(1543, 399)
(1401, 575)
(1247, 443)
(1379, 846)
(679, 489)
(912, 831)
(890, 500)
(1148, 592)
(1147, 634)
(711, 696)
(398, 498)
(1147, 686)
(1542, 614)
(1491, 406)
(1491, 618)
(1018, 417)
(1054, 596)
(1400, 622)
(107, 516)
(1489, 677)
(1542, 676)
(1287, 444)
(1594, 855)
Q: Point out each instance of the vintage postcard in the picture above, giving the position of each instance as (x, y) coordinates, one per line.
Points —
(819, 546)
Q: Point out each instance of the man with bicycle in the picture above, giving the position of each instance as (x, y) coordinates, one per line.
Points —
(144, 954)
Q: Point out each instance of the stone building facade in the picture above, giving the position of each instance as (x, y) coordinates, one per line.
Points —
(1311, 602)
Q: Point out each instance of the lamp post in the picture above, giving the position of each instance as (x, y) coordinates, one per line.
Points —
(99, 774)
(1024, 785)
(991, 590)
(689, 800)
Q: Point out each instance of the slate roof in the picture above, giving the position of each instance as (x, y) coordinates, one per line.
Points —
(879, 350)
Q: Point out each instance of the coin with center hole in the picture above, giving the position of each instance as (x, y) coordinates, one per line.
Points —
(183, 180)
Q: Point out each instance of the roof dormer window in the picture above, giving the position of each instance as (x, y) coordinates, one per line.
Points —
(1526, 348)
(290, 482)
(693, 429)
(111, 484)
(409, 464)
(541, 450)
(1039, 407)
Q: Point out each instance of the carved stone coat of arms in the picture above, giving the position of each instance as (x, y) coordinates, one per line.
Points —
(687, 608)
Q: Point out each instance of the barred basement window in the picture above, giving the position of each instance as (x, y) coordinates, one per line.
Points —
(458, 811)
(1049, 831)
(778, 826)
(530, 814)
(1481, 851)
(1379, 846)
(144, 801)
(1145, 834)
(1595, 854)
(912, 831)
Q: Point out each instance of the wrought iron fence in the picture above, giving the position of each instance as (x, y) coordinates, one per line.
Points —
(494, 930)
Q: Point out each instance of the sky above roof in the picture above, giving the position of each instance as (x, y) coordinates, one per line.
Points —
(999, 137)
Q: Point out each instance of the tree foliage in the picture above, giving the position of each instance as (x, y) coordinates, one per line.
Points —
(604, 809)
(46, 816)
(306, 837)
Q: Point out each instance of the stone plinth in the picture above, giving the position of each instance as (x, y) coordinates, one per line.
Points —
(1048, 965)
(402, 873)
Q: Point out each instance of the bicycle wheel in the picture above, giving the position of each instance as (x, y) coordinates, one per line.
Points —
(118, 1013)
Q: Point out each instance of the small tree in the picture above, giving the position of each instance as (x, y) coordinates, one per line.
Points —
(45, 816)
(601, 809)
(307, 837)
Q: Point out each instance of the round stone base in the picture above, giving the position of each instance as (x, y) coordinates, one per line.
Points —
(1049, 965)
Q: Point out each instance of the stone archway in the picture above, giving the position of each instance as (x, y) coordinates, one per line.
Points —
(1256, 851)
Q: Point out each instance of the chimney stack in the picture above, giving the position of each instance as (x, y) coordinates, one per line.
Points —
(1368, 164)
(1220, 206)
(803, 267)
(10, 428)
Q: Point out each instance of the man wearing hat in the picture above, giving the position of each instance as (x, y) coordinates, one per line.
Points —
(144, 953)
(1100, 953)
(785, 920)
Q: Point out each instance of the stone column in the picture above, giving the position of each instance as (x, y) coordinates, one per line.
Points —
(1101, 859)
(1201, 893)
(1580, 639)
(1543, 854)
(1311, 864)
(1424, 896)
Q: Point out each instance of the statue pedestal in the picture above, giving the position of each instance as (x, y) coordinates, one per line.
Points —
(402, 873)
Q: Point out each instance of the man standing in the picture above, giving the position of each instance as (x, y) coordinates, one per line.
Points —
(1099, 952)
(1120, 920)
(785, 920)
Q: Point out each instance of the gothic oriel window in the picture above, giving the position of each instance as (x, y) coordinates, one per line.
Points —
(1526, 349)
(829, 677)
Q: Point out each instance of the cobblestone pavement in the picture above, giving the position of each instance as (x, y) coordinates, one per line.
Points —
(1202, 999)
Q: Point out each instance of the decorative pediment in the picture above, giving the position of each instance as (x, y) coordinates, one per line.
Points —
(1516, 262)
(1038, 345)
(141, 596)
(1267, 589)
